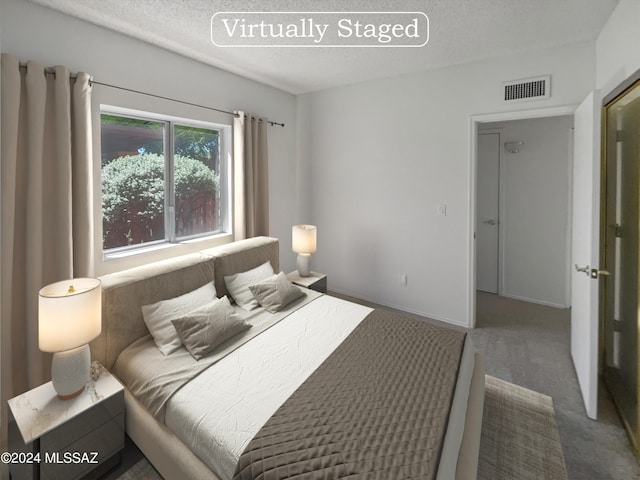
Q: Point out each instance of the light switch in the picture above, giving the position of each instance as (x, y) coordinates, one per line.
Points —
(442, 209)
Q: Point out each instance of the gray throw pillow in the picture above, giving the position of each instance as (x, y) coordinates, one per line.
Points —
(276, 292)
(203, 329)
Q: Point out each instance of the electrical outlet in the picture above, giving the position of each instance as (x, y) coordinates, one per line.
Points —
(403, 279)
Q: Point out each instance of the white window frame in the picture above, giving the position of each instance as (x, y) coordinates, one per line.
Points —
(116, 259)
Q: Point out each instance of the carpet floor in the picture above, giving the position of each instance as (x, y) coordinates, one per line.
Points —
(520, 439)
(530, 345)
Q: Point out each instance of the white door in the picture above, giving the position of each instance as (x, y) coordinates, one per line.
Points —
(488, 202)
(585, 248)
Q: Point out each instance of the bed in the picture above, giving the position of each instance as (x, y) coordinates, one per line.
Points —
(301, 390)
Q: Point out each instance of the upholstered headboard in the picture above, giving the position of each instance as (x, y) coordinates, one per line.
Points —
(124, 293)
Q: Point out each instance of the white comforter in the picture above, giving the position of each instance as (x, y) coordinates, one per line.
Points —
(217, 413)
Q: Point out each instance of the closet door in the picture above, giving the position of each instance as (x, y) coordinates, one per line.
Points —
(620, 237)
(488, 201)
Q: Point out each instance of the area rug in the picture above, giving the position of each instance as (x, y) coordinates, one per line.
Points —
(520, 439)
(141, 471)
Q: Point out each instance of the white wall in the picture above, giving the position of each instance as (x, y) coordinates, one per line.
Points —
(32, 32)
(535, 217)
(374, 158)
(618, 54)
(383, 154)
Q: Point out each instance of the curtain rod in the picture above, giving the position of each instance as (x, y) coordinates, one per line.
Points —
(270, 122)
(49, 71)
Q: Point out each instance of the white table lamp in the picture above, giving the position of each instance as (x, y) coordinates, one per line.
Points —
(69, 317)
(303, 241)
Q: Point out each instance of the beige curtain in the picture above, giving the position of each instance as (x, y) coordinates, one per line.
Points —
(251, 177)
(46, 215)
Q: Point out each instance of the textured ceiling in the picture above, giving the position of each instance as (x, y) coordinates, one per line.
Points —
(460, 31)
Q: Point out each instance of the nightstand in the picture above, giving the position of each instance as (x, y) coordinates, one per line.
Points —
(316, 281)
(51, 438)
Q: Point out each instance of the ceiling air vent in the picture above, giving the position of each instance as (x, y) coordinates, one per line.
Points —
(537, 88)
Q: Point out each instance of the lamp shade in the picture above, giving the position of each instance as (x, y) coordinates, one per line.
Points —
(303, 238)
(69, 314)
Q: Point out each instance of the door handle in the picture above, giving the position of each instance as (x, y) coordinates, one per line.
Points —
(490, 222)
(595, 273)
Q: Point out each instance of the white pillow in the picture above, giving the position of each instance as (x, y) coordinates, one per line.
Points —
(158, 316)
(238, 285)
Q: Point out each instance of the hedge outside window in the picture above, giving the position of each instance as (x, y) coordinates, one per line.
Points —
(160, 181)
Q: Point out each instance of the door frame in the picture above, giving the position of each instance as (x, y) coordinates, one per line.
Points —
(474, 121)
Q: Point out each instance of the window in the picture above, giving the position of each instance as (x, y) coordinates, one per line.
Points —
(162, 180)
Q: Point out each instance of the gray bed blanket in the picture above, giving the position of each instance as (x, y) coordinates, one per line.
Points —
(377, 408)
(153, 378)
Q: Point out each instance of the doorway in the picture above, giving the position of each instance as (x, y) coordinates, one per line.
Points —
(620, 255)
(523, 209)
(477, 121)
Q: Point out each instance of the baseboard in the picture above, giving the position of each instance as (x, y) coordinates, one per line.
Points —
(534, 300)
